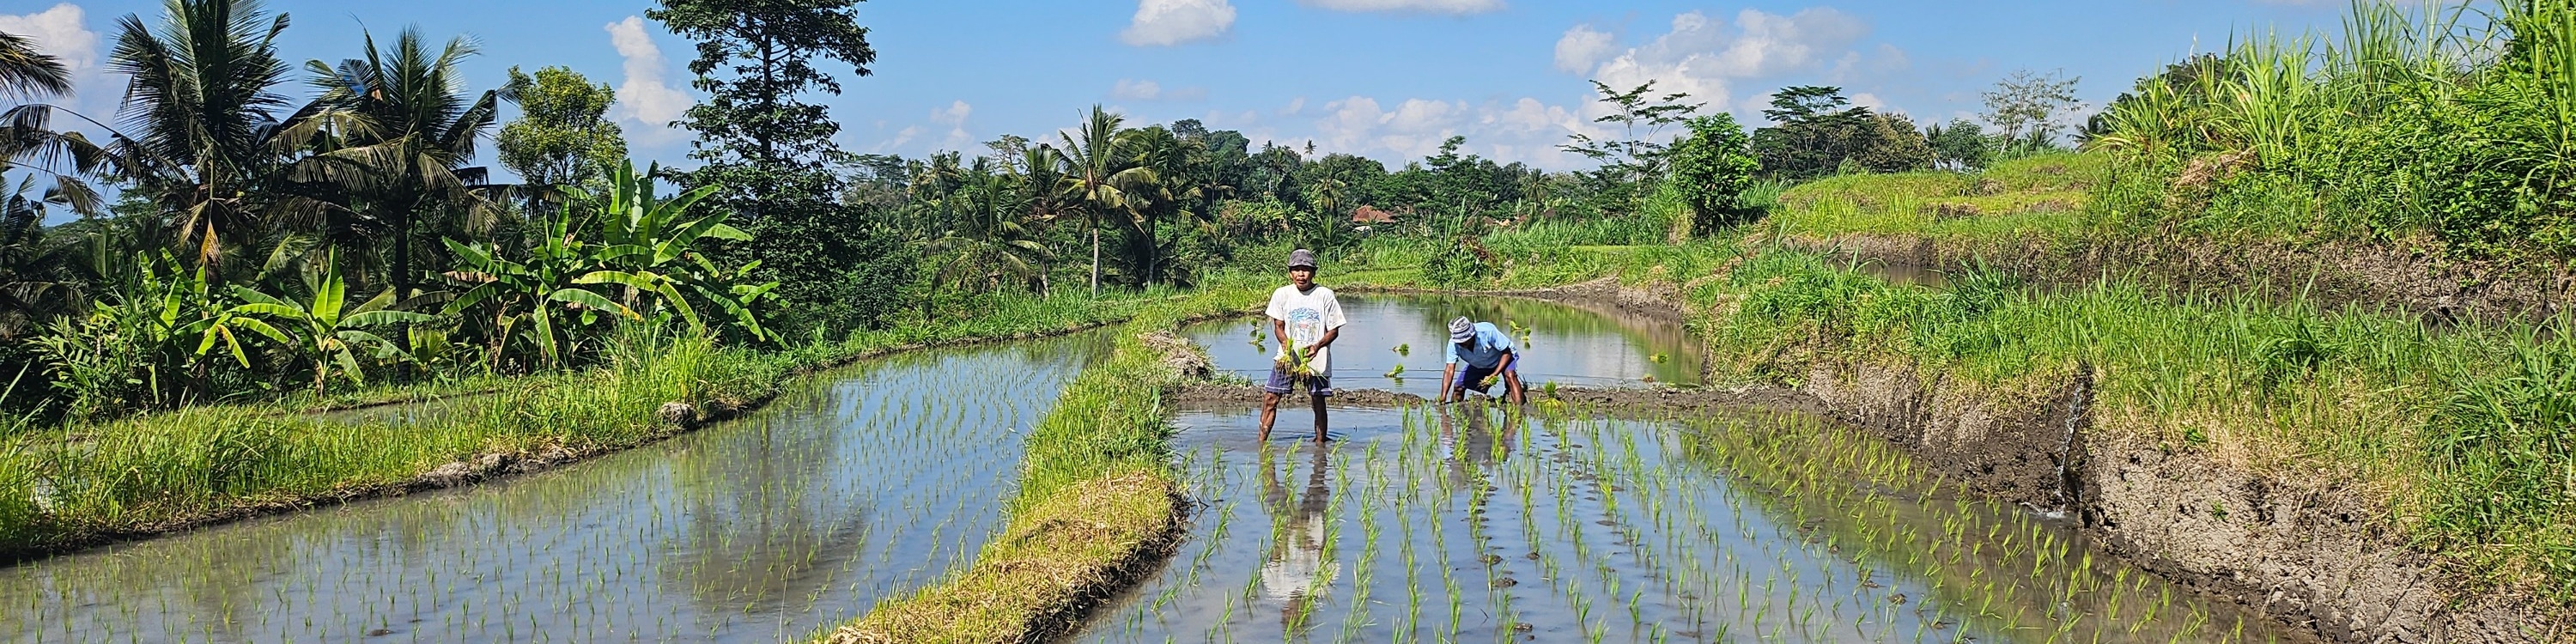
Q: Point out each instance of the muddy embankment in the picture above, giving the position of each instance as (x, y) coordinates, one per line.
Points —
(2307, 552)
(2333, 275)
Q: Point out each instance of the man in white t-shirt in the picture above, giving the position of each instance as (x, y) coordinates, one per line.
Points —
(1306, 319)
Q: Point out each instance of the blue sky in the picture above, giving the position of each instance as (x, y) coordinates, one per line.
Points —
(1384, 78)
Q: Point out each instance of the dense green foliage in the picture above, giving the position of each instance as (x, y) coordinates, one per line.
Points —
(758, 136)
(1818, 132)
(2411, 125)
(562, 136)
(1713, 168)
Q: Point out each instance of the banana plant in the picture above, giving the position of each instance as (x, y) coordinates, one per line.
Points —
(654, 244)
(325, 331)
(542, 296)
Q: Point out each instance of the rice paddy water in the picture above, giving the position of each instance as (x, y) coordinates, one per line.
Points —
(1567, 345)
(1417, 524)
(1477, 523)
(867, 484)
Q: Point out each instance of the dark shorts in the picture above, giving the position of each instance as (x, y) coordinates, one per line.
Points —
(1469, 375)
(1282, 383)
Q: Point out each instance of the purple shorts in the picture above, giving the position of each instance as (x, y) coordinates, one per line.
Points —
(1470, 375)
(1283, 383)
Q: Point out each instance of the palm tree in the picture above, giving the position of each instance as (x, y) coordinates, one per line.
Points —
(1164, 189)
(988, 241)
(200, 127)
(427, 127)
(36, 273)
(27, 73)
(1097, 175)
(27, 139)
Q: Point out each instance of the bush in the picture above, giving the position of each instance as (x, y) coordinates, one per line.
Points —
(1458, 262)
(1712, 169)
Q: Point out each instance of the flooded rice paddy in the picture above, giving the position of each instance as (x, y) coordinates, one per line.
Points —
(1564, 345)
(1476, 524)
(858, 487)
(1461, 523)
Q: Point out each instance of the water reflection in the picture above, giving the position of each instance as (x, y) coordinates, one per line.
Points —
(844, 491)
(1298, 571)
(1475, 446)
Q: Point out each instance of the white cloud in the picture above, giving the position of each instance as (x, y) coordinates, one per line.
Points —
(1145, 90)
(1136, 90)
(1706, 57)
(59, 32)
(1582, 48)
(1454, 7)
(900, 138)
(645, 100)
(1295, 106)
(1524, 130)
(954, 116)
(1173, 22)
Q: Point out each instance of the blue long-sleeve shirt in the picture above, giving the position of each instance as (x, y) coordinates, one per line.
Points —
(1485, 351)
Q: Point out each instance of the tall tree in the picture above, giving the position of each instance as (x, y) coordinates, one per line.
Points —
(2026, 107)
(563, 136)
(1817, 132)
(27, 139)
(425, 126)
(1635, 160)
(758, 62)
(201, 131)
(1097, 175)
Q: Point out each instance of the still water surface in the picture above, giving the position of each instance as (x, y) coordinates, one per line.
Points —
(846, 491)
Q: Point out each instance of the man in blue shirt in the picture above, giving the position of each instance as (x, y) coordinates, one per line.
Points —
(1487, 355)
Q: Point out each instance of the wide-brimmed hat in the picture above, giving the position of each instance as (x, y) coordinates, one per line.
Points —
(1462, 330)
(1302, 258)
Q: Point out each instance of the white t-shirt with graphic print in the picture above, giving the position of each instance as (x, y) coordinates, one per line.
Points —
(1309, 315)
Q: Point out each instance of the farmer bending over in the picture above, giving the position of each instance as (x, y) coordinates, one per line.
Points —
(1489, 355)
(1306, 319)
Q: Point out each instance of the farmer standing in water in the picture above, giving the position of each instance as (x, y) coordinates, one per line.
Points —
(1306, 319)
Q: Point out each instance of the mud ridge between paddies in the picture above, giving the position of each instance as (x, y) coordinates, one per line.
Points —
(2332, 276)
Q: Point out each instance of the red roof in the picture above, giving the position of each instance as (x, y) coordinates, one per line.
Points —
(1370, 215)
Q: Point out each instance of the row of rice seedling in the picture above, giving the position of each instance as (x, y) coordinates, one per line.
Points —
(1480, 524)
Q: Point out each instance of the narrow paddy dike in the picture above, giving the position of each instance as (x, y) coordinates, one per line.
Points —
(2333, 276)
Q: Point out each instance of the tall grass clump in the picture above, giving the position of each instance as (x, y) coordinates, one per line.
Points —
(2503, 446)
(2436, 124)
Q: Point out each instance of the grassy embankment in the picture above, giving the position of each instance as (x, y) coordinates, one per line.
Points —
(72, 486)
(2467, 434)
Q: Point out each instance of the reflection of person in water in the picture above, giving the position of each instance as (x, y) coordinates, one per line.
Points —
(1297, 570)
(1475, 446)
